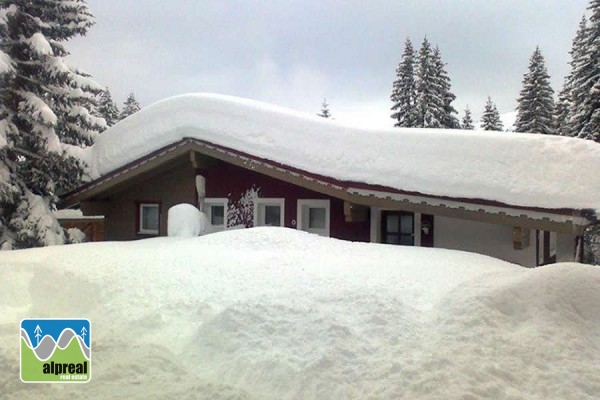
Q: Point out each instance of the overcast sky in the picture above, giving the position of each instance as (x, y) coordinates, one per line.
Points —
(296, 53)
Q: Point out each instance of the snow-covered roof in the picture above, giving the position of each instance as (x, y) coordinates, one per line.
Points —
(528, 170)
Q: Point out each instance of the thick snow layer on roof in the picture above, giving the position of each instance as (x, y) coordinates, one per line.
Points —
(513, 168)
(283, 314)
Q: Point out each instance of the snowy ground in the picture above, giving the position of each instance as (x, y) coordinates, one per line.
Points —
(272, 313)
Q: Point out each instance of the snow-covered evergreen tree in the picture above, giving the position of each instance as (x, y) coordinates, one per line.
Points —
(131, 106)
(561, 112)
(490, 121)
(566, 105)
(107, 108)
(430, 105)
(325, 113)
(442, 85)
(467, 121)
(78, 119)
(421, 93)
(404, 91)
(535, 110)
(41, 102)
(584, 112)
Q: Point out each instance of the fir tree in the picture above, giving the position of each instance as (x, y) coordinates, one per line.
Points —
(131, 106)
(41, 102)
(585, 78)
(325, 113)
(442, 86)
(467, 121)
(429, 103)
(107, 108)
(561, 112)
(535, 110)
(421, 93)
(78, 120)
(404, 90)
(490, 121)
(569, 99)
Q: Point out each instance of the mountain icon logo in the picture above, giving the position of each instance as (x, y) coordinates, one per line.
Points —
(56, 350)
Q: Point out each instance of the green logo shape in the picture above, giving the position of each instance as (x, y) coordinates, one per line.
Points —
(56, 350)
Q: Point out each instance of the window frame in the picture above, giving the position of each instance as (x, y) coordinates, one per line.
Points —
(140, 218)
(314, 203)
(208, 204)
(269, 201)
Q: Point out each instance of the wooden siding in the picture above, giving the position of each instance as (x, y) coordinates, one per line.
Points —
(227, 180)
(92, 228)
(168, 188)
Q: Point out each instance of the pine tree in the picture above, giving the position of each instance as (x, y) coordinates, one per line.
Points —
(404, 90)
(78, 120)
(442, 85)
(107, 108)
(421, 93)
(131, 106)
(535, 110)
(585, 77)
(41, 100)
(490, 121)
(569, 99)
(429, 104)
(467, 121)
(325, 113)
(561, 111)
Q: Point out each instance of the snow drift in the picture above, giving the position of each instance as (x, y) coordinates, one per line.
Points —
(274, 313)
(513, 168)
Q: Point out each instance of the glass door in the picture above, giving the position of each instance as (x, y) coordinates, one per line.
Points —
(397, 227)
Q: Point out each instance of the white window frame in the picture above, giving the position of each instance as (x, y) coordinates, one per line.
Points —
(314, 203)
(141, 229)
(211, 202)
(266, 201)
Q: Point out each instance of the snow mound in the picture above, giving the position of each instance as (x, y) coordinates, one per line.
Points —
(185, 220)
(514, 168)
(273, 313)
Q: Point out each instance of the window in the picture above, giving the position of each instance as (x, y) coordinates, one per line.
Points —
(149, 218)
(397, 227)
(313, 216)
(269, 212)
(216, 212)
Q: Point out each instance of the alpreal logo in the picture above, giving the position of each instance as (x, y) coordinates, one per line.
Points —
(56, 350)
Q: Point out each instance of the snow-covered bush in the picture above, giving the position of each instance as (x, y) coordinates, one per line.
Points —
(185, 220)
(241, 212)
(75, 235)
(591, 245)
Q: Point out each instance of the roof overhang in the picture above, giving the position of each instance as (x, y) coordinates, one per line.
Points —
(557, 220)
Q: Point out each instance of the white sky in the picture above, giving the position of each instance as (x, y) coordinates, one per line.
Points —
(296, 53)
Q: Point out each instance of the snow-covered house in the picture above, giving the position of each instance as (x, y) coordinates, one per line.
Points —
(523, 198)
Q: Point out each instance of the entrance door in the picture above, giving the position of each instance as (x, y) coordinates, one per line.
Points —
(397, 227)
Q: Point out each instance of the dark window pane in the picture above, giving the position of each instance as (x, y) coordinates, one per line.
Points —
(273, 215)
(217, 215)
(392, 239)
(406, 224)
(392, 223)
(317, 217)
(406, 240)
(150, 218)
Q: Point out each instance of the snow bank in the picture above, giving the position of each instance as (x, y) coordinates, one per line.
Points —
(518, 169)
(185, 220)
(274, 313)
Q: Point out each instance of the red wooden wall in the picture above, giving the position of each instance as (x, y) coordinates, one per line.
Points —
(229, 181)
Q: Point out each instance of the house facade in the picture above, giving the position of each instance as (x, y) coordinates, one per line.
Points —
(237, 189)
